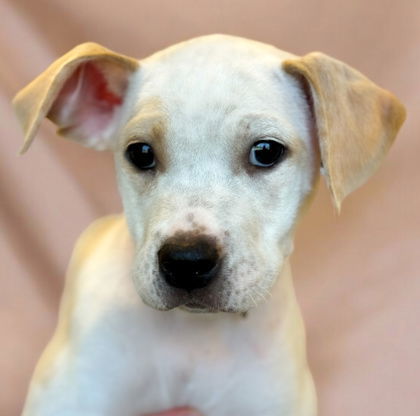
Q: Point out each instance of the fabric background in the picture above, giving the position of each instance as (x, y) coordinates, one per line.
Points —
(357, 274)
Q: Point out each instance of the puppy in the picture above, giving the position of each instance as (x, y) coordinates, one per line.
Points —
(187, 298)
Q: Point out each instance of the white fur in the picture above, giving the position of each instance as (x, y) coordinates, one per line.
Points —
(116, 354)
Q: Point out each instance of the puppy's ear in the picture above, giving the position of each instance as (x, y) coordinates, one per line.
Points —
(82, 93)
(356, 121)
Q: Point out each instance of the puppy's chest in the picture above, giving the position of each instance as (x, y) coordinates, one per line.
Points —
(221, 373)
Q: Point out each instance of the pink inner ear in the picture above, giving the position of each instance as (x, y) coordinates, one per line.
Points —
(96, 80)
(86, 106)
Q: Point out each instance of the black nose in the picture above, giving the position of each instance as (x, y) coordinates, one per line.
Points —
(189, 262)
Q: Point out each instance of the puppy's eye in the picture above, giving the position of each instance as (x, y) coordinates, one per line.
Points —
(141, 155)
(266, 153)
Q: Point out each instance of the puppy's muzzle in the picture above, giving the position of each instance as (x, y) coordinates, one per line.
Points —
(189, 262)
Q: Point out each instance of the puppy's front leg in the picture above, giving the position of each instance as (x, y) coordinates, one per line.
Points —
(81, 371)
(53, 389)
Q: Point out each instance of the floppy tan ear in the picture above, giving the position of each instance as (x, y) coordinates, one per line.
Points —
(82, 92)
(356, 121)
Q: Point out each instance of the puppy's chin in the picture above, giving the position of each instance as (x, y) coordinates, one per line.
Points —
(211, 299)
(187, 306)
(203, 307)
(196, 308)
(191, 305)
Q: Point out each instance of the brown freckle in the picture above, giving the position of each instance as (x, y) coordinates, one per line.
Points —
(185, 237)
(150, 124)
(158, 235)
(194, 224)
(158, 130)
(229, 271)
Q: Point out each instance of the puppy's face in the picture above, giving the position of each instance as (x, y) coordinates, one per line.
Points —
(214, 161)
(215, 152)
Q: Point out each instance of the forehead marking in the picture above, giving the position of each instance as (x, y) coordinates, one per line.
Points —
(149, 125)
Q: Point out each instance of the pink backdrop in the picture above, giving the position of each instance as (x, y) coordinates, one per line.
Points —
(357, 275)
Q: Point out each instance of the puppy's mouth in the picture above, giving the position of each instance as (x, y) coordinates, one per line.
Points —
(205, 300)
(199, 301)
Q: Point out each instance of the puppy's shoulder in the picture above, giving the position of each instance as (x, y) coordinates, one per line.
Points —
(92, 246)
(104, 245)
(104, 234)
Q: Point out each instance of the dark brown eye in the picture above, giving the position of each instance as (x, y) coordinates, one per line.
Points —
(141, 155)
(266, 153)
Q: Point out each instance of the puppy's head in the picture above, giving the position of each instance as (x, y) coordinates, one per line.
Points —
(218, 143)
